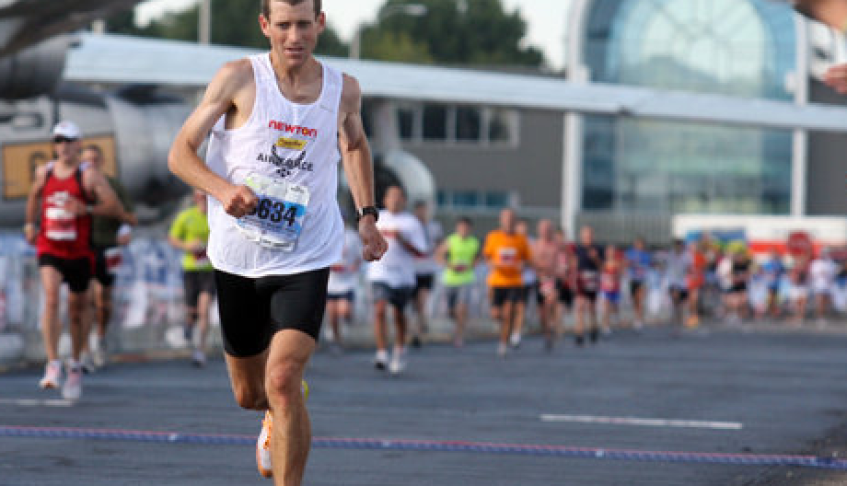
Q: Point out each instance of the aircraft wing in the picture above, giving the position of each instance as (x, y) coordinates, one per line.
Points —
(26, 22)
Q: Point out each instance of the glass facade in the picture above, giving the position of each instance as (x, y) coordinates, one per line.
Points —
(742, 48)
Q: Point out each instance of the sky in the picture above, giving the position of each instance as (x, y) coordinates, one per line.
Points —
(545, 18)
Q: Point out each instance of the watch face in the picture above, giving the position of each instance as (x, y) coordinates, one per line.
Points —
(369, 210)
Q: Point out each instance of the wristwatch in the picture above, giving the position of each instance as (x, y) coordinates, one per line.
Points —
(372, 210)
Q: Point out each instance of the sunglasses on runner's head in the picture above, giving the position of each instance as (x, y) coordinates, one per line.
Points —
(61, 139)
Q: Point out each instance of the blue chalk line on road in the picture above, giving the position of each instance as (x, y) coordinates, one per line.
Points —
(60, 433)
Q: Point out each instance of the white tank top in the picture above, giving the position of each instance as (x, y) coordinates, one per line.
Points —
(283, 142)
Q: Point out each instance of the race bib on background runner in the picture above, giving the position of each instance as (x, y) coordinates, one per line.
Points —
(277, 221)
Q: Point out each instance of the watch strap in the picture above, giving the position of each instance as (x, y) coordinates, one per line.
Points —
(372, 210)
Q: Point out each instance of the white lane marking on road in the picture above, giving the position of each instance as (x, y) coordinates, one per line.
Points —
(643, 422)
(31, 402)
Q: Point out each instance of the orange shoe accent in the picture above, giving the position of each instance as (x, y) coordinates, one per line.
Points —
(263, 447)
(263, 443)
(693, 322)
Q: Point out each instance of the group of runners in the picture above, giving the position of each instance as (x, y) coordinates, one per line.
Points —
(277, 125)
(76, 217)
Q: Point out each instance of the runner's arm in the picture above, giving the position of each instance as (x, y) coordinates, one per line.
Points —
(33, 205)
(107, 202)
(358, 167)
(441, 253)
(836, 78)
(220, 98)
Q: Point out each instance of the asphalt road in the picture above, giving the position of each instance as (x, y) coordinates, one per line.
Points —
(704, 409)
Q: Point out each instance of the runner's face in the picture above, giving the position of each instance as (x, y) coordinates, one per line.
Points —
(545, 229)
(394, 200)
(93, 157)
(507, 221)
(292, 30)
(586, 235)
(67, 150)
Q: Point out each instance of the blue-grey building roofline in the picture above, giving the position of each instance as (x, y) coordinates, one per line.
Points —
(123, 59)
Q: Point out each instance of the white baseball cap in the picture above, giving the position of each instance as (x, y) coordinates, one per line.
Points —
(67, 129)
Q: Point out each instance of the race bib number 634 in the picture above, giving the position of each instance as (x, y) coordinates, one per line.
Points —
(277, 220)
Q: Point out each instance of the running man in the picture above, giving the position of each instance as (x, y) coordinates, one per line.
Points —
(506, 252)
(677, 267)
(425, 269)
(610, 286)
(774, 271)
(589, 263)
(392, 278)
(279, 122)
(638, 265)
(545, 261)
(565, 275)
(64, 196)
(341, 289)
(529, 290)
(190, 233)
(108, 235)
(695, 280)
(822, 273)
(459, 255)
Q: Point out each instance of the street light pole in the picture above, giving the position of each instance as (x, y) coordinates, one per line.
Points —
(411, 9)
(205, 22)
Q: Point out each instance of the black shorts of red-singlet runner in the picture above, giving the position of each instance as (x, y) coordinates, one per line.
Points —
(76, 272)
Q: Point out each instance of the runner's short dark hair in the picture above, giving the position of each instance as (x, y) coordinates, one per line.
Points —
(266, 6)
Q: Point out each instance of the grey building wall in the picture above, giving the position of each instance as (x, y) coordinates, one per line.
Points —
(532, 168)
(827, 166)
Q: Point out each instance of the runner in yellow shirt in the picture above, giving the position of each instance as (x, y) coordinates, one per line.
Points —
(459, 254)
(190, 233)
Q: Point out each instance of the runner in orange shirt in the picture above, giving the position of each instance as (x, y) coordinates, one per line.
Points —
(695, 280)
(506, 253)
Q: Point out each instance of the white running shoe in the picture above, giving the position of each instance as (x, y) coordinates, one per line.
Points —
(263, 443)
(198, 358)
(88, 365)
(263, 447)
(72, 389)
(398, 362)
(98, 354)
(502, 350)
(515, 340)
(381, 359)
(52, 375)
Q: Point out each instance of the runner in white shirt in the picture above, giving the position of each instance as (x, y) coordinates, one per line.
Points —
(341, 289)
(425, 269)
(822, 278)
(392, 278)
(678, 264)
(278, 123)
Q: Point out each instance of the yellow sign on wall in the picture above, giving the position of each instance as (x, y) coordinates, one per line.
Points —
(21, 160)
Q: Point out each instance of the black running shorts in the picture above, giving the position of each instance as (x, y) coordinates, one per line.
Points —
(196, 282)
(76, 272)
(101, 267)
(501, 295)
(398, 297)
(252, 310)
(423, 281)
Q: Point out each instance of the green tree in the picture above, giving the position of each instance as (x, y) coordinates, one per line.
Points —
(458, 32)
(234, 23)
